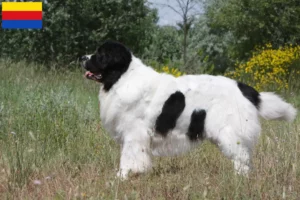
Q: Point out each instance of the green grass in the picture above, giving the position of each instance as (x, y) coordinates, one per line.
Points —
(53, 147)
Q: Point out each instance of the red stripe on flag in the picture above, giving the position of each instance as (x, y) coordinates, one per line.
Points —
(22, 15)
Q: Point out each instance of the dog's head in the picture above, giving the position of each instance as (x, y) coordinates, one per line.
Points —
(107, 64)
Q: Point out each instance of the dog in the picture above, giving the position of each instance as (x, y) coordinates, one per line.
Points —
(156, 114)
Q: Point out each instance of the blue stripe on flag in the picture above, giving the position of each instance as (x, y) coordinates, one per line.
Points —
(22, 24)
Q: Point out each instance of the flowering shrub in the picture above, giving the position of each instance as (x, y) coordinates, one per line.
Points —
(269, 67)
(173, 71)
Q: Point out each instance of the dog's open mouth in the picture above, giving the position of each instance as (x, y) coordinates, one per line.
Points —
(95, 77)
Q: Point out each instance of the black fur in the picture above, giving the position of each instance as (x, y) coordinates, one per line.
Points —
(171, 110)
(111, 60)
(250, 93)
(196, 127)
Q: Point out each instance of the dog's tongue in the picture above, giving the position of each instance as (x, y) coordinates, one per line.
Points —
(92, 76)
(88, 74)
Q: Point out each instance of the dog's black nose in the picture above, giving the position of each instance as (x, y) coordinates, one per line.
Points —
(83, 58)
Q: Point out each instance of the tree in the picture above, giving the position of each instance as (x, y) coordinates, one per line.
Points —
(187, 10)
(255, 23)
(208, 51)
(166, 45)
(75, 27)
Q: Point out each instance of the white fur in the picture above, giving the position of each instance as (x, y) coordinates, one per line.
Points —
(273, 107)
(129, 110)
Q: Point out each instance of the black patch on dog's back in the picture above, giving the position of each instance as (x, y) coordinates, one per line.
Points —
(250, 93)
(171, 110)
(196, 127)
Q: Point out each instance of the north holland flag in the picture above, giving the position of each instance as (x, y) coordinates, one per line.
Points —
(22, 15)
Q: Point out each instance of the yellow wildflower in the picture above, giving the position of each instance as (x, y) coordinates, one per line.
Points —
(173, 71)
(268, 68)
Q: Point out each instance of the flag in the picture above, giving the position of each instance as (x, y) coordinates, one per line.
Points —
(22, 15)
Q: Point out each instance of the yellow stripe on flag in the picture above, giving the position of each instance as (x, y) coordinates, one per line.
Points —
(22, 6)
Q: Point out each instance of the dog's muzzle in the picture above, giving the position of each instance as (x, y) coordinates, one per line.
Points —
(88, 74)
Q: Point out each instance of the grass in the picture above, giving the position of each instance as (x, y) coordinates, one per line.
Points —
(53, 147)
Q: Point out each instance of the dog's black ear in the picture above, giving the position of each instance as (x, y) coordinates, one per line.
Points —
(101, 57)
(113, 59)
(115, 55)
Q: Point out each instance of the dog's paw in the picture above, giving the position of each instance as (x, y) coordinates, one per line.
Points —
(241, 168)
(122, 174)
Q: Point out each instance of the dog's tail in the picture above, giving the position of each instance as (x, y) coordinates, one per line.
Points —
(274, 107)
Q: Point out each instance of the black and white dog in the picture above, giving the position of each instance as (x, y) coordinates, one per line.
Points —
(151, 113)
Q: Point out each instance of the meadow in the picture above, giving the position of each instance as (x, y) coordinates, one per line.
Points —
(53, 146)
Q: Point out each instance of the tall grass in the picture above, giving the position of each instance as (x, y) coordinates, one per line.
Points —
(53, 147)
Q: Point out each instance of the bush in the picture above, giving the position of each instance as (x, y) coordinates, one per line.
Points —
(73, 28)
(269, 68)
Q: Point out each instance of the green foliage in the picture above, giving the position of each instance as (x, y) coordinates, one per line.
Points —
(166, 45)
(207, 51)
(254, 22)
(72, 28)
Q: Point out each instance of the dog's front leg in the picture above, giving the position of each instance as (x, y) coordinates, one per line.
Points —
(135, 154)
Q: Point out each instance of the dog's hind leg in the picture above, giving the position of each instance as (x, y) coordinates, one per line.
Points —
(236, 149)
(135, 153)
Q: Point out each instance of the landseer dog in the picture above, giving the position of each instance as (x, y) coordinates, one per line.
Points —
(157, 114)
